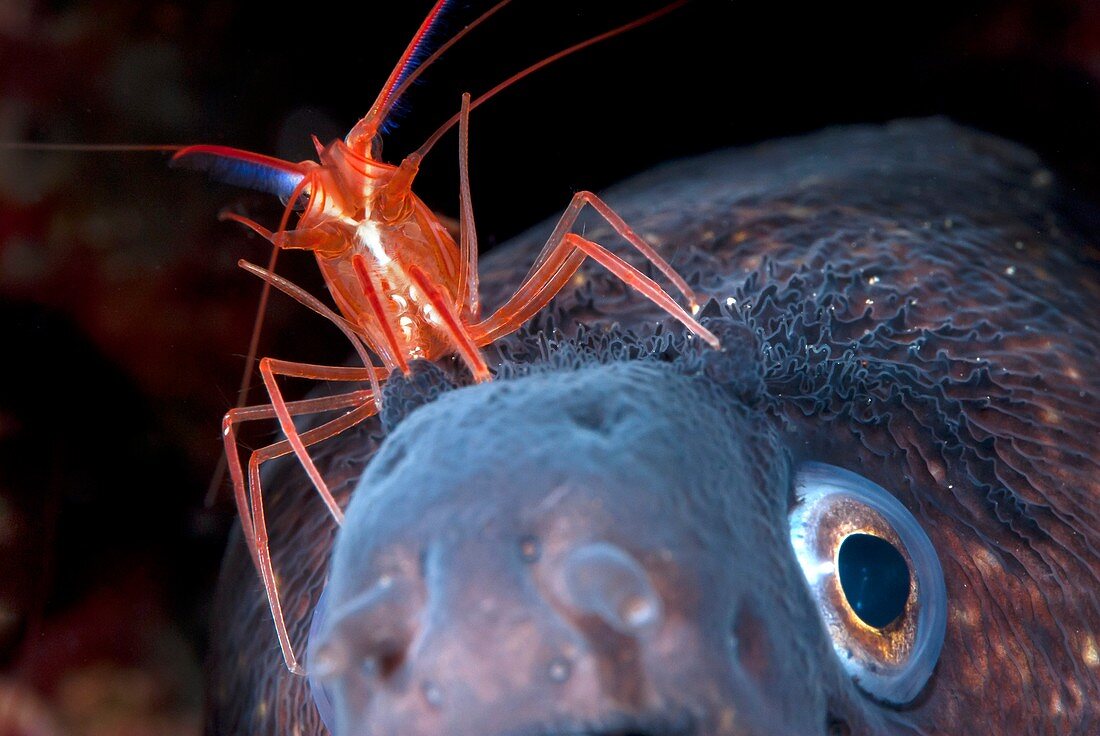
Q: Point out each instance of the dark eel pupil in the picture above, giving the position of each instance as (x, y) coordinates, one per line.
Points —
(874, 577)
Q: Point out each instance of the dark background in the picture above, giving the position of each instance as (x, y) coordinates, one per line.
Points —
(123, 318)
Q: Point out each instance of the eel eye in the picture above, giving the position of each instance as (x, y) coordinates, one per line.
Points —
(875, 577)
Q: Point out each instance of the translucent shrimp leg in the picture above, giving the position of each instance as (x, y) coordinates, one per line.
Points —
(456, 317)
(269, 369)
(250, 503)
(555, 265)
(311, 302)
(562, 256)
(394, 343)
(468, 298)
(234, 417)
(259, 538)
(533, 294)
(239, 415)
(452, 324)
(573, 211)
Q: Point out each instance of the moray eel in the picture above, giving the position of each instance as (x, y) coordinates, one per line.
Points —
(875, 511)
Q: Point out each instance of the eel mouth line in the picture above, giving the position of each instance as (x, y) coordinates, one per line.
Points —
(664, 724)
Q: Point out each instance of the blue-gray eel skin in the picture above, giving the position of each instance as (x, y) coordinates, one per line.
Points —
(627, 532)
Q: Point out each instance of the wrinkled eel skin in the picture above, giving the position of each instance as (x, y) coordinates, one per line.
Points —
(917, 303)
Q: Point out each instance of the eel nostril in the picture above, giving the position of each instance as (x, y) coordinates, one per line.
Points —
(390, 661)
(752, 646)
(604, 580)
(370, 633)
(339, 656)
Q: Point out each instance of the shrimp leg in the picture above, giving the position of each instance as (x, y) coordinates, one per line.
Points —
(259, 541)
(238, 415)
(312, 303)
(468, 299)
(250, 504)
(269, 369)
(459, 332)
(559, 262)
(573, 211)
(394, 343)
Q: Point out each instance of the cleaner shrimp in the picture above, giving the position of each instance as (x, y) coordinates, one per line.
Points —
(402, 287)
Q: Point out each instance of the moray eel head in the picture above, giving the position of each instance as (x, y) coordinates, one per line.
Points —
(588, 552)
(874, 512)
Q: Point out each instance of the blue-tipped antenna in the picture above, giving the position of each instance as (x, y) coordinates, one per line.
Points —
(411, 64)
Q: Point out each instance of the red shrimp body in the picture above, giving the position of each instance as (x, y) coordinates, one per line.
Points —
(363, 212)
(420, 240)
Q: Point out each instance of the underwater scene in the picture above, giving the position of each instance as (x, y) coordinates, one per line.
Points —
(621, 368)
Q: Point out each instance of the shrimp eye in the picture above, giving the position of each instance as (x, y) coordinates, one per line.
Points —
(875, 577)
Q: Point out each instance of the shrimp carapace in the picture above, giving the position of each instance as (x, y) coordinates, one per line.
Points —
(403, 288)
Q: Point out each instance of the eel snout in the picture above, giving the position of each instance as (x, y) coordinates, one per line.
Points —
(535, 558)
(571, 660)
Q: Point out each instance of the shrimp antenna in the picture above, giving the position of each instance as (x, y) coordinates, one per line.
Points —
(412, 77)
(409, 67)
(87, 147)
(423, 150)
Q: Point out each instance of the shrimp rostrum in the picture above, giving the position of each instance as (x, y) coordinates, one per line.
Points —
(403, 289)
